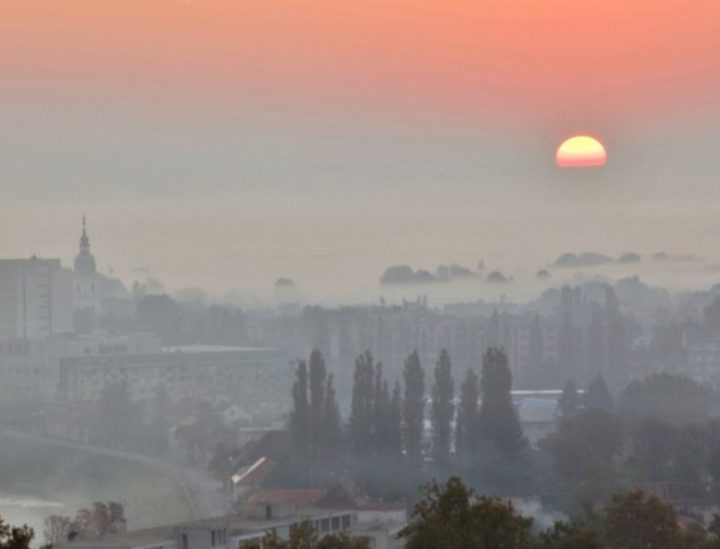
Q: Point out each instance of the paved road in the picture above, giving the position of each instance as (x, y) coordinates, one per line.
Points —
(203, 493)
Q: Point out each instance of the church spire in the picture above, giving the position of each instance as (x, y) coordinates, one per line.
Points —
(85, 262)
(84, 240)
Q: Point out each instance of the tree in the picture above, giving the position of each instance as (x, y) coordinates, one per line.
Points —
(672, 398)
(442, 411)
(450, 517)
(568, 402)
(466, 426)
(15, 537)
(596, 348)
(118, 419)
(381, 409)
(394, 431)
(597, 396)
(536, 350)
(57, 529)
(654, 442)
(331, 429)
(300, 416)
(361, 415)
(565, 535)
(317, 376)
(413, 411)
(90, 524)
(637, 521)
(304, 536)
(583, 451)
(498, 418)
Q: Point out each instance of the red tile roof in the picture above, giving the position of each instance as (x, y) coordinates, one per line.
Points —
(254, 474)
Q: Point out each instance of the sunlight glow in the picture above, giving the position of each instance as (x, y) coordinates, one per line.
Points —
(581, 151)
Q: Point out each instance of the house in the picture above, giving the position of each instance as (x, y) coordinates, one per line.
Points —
(251, 478)
(342, 494)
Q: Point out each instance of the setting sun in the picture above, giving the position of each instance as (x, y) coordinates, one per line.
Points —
(581, 151)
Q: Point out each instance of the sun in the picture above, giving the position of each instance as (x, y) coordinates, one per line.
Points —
(581, 151)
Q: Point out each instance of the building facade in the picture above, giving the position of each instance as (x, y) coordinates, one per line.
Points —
(35, 299)
(256, 377)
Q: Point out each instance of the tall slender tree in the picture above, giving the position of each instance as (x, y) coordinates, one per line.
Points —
(300, 417)
(442, 411)
(499, 421)
(361, 415)
(466, 426)
(317, 379)
(568, 403)
(536, 352)
(597, 396)
(413, 410)
(395, 425)
(332, 427)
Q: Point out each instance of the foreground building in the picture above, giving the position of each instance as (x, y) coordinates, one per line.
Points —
(233, 531)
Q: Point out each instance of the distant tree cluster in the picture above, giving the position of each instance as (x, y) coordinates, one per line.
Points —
(661, 429)
(451, 516)
(92, 524)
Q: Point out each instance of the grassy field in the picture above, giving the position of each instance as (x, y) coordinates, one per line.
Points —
(76, 478)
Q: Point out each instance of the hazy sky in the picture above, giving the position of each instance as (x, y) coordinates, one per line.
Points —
(224, 143)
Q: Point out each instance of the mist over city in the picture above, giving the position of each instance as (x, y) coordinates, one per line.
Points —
(359, 275)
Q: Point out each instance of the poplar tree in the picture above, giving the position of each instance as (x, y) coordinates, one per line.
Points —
(499, 422)
(466, 426)
(442, 411)
(361, 415)
(413, 410)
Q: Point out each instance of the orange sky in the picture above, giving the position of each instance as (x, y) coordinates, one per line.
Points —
(525, 56)
(327, 139)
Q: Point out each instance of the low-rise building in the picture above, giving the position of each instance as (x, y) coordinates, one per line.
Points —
(219, 533)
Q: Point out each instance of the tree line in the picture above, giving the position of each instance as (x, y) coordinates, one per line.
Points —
(383, 444)
(658, 429)
(452, 516)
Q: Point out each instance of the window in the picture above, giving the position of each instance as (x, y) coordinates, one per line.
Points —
(218, 537)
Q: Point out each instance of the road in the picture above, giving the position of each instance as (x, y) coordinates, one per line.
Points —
(204, 494)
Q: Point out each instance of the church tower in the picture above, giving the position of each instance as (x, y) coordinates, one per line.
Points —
(87, 282)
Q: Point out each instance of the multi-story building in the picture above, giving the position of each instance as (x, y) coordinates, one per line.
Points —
(702, 346)
(257, 377)
(31, 368)
(35, 298)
